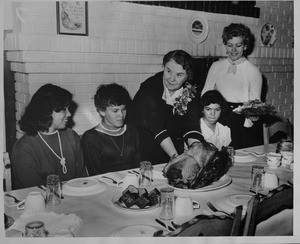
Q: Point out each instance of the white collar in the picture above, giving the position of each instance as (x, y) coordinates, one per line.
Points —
(171, 99)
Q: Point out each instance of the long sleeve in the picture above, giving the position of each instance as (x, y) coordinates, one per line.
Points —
(25, 167)
(255, 86)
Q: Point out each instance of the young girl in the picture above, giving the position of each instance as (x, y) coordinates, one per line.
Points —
(212, 106)
(112, 145)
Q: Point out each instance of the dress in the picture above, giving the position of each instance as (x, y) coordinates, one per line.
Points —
(32, 160)
(220, 137)
(155, 121)
(237, 88)
(101, 154)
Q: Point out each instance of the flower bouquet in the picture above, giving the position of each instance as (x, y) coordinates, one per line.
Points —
(255, 108)
(181, 102)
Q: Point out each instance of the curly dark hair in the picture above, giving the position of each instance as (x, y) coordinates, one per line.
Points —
(236, 30)
(38, 113)
(183, 58)
(213, 96)
(111, 95)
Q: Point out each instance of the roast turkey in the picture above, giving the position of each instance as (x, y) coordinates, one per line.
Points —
(199, 166)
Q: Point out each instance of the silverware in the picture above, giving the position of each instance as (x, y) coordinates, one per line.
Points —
(42, 187)
(214, 209)
(291, 183)
(255, 153)
(16, 199)
(132, 172)
(169, 228)
(114, 181)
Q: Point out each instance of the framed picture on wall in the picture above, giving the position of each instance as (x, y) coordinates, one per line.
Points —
(72, 18)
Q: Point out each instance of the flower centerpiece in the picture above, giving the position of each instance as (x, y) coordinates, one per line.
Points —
(181, 102)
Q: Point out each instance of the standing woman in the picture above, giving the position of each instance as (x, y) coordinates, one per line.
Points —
(165, 110)
(47, 147)
(238, 81)
(112, 145)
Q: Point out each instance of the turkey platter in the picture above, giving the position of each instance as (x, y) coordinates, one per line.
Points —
(199, 166)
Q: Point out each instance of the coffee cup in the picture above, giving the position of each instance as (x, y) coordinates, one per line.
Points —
(271, 180)
(129, 179)
(273, 159)
(287, 158)
(184, 208)
(34, 202)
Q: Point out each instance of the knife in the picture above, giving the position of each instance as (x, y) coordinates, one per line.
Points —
(165, 225)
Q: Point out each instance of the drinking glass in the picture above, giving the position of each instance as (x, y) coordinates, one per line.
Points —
(167, 203)
(35, 229)
(257, 173)
(53, 192)
(145, 174)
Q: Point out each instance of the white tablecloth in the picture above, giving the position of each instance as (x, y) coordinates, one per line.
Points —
(100, 218)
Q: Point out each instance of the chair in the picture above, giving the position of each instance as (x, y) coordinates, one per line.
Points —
(266, 208)
(6, 172)
(210, 225)
(277, 131)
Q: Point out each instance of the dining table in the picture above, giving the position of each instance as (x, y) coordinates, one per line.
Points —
(101, 217)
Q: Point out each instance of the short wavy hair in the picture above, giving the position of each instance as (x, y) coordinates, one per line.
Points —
(183, 58)
(236, 30)
(111, 95)
(213, 96)
(38, 113)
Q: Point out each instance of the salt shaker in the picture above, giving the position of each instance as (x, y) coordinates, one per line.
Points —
(167, 203)
(53, 191)
(145, 174)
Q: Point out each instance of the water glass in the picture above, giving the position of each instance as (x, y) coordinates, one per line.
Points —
(53, 192)
(167, 203)
(257, 174)
(146, 171)
(35, 229)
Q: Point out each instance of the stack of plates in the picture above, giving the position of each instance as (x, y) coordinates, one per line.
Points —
(83, 187)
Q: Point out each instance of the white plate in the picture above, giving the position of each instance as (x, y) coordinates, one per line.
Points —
(83, 187)
(136, 231)
(244, 157)
(229, 203)
(135, 208)
(224, 181)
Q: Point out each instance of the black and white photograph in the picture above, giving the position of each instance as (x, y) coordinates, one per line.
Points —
(149, 121)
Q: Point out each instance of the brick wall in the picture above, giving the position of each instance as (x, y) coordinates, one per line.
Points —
(126, 44)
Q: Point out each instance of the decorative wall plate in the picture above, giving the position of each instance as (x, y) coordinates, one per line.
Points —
(198, 28)
(268, 35)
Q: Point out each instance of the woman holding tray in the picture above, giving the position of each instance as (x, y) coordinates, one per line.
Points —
(239, 81)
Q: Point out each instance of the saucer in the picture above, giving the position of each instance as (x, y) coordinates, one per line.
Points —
(83, 187)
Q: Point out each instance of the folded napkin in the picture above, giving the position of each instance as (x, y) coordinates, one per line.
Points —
(53, 222)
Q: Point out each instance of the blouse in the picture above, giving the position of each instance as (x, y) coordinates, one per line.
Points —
(240, 87)
(220, 137)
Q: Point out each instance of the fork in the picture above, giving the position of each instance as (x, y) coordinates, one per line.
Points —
(16, 199)
(114, 181)
(214, 209)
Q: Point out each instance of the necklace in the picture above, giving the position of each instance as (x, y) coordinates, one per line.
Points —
(121, 151)
(61, 158)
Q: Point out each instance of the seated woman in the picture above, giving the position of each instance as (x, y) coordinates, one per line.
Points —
(212, 107)
(111, 145)
(47, 147)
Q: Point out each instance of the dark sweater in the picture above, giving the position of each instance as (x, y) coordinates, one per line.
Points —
(155, 120)
(101, 154)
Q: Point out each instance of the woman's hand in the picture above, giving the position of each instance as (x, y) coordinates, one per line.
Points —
(168, 146)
